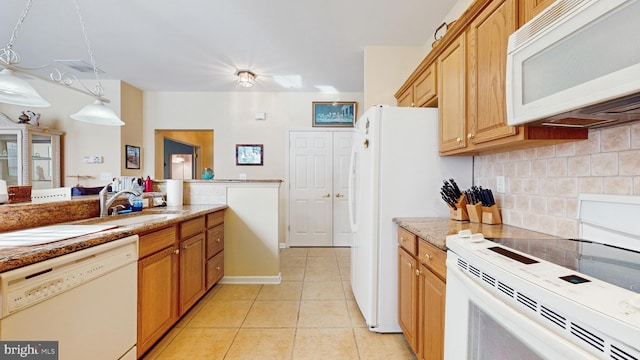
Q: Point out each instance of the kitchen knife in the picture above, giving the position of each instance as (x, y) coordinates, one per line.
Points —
(455, 187)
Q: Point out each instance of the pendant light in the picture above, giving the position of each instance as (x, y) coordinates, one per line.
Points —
(16, 91)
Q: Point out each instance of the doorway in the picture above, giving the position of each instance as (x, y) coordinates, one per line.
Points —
(179, 160)
(202, 140)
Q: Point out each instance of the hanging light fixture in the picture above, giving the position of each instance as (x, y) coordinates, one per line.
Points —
(16, 91)
(246, 78)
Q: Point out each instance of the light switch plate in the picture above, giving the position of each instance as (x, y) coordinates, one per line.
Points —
(500, 184)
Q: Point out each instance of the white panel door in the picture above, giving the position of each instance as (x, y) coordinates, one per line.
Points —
(311, 188)
(342, 235)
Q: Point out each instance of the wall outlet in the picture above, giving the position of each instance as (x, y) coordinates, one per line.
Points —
(106, 177)
(242, 176)
(500, 184)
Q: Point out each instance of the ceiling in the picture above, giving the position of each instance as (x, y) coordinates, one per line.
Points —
(198, 45)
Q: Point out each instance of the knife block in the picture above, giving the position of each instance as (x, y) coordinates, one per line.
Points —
(460, 213)
(491, 215)
(475, 212)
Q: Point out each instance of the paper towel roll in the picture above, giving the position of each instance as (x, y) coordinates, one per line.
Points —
(4, 195)
(174, 192)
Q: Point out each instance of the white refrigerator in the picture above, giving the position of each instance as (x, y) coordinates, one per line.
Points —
(395, 171)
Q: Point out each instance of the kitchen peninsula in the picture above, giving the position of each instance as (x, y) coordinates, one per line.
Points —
(251, 225)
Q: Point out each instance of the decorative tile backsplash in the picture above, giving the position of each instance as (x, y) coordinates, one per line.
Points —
(543, 183)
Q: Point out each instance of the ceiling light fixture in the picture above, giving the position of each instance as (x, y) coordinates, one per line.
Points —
(246, 78)
(16, 91)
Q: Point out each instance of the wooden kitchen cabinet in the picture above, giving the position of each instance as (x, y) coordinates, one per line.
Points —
(452, 96)
(214, 267)
(172, 273)
(471, 82)
(408, 297)
(421, 296)
(192, 262)
(488, 37)
(530, 8)
(157, 286)
(422, 93)
(431, 299)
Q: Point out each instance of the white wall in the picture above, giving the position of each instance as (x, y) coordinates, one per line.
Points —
(386, 68)
(232, 117)
(80, 139)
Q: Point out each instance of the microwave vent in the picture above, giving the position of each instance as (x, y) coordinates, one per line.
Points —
(556, 11)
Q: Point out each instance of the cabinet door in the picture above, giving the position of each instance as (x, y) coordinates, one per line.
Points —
(431, 321)
(192, 271)
(451, 96)
(408, 297)
(157, 301)
(406, 99)
(488, 36)
(530, 8)
(425, 87)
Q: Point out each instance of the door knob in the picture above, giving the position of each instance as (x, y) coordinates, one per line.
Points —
(338, 195)
(327, 196)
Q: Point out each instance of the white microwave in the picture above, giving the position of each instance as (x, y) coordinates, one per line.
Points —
(576, 64)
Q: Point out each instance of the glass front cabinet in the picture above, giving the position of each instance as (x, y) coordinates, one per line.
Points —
(29, 154)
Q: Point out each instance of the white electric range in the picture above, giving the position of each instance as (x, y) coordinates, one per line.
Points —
(549, 299)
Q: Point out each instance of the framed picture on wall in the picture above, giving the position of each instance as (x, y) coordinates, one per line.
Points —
(133, 156)
(249, 154)
(334, 113)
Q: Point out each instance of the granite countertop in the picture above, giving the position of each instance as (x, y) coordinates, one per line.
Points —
(435, 230)
(18, 256)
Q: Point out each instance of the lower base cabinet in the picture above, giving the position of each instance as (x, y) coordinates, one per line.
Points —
(157, 303)
(421, 295)
(173, 274)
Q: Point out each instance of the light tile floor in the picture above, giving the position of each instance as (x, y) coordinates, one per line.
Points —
(310, 315)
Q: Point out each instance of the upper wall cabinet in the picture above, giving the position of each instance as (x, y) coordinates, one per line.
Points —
(471, 68)
(29, 155)
(530, 8)
(422, 92)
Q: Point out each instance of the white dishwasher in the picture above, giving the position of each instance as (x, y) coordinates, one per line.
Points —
(85, 300)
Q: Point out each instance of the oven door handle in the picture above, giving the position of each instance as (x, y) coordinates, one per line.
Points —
(548, 343)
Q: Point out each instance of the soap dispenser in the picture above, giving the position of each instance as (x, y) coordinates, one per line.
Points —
(148, 185)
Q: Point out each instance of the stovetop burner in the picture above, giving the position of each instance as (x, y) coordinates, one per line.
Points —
(608, 263)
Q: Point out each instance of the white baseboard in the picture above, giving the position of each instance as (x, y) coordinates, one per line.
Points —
(283, 245)
(274, 280)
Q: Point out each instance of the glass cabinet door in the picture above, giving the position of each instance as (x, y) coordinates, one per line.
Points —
(41, 162)
(10, 157)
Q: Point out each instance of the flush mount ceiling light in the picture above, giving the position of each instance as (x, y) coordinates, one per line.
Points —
(246, 78)
(16, 91)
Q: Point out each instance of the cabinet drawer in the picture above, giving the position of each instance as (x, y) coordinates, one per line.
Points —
(215, 269)
(155, 241)
(433, 257)
(215, 218)
(191, 227)
(407, 240)
(215, 240)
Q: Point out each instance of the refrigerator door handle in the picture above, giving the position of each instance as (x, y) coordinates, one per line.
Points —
(351, 189)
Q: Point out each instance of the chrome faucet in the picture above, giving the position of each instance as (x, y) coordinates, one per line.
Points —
(105, 204)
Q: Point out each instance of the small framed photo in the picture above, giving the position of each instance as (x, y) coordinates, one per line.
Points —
(334, 113)
(133, 157)
(249, 154)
